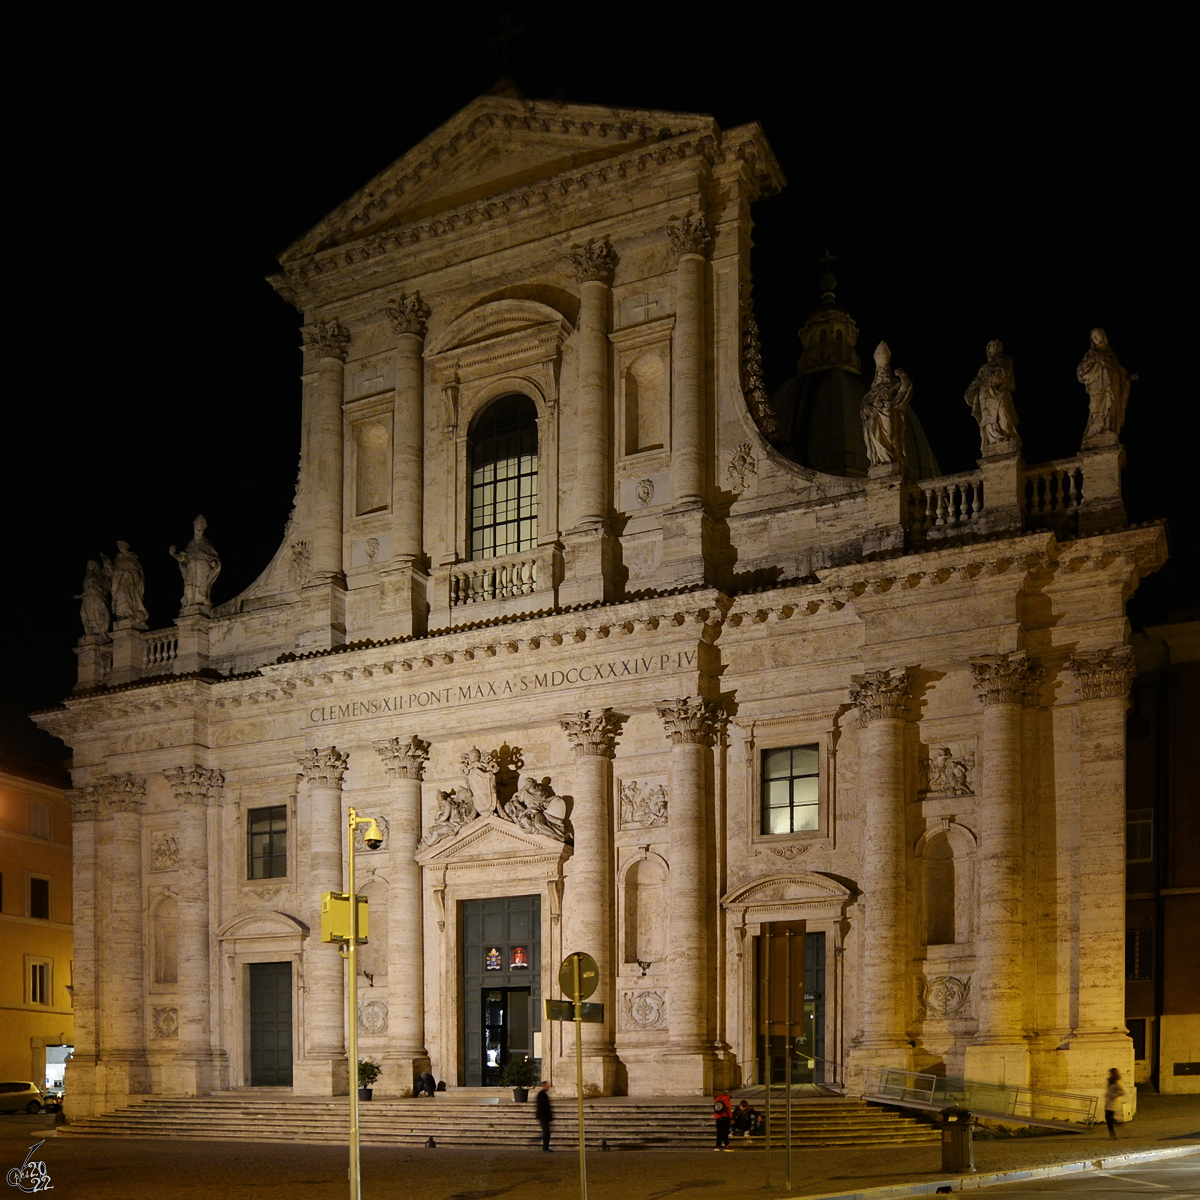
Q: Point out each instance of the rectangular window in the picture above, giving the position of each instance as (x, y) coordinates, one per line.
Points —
(39, 897)
(790, 791)
(1137, 1035)
(1139, 835)
(40, 974)
(267, 842)
(1139, 954)
(39, 819)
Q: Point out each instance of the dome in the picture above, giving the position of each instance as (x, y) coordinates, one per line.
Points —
(819, 407)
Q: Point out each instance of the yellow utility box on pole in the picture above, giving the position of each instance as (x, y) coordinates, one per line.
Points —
(335, 917)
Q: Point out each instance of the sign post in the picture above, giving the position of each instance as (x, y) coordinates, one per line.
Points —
(578, 977)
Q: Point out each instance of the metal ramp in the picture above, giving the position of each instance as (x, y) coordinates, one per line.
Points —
(1064, 1111)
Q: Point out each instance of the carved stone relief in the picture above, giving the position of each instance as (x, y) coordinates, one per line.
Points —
(948, 769)
(373, 1017)
(740, 466)
(164, 851)
(945, 996)
(643, 804)
(166, 1022)
(644, 492)
(645, 1009)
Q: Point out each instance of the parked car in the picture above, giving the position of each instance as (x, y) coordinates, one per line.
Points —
(20, 1097)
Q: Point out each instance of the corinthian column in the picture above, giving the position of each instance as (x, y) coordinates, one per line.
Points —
(84, 1085)
(1099, 1041)
(882, 700)
(322, 1067)
(123, 981)
(404, 760)
(1000, 1054)
(691, 725)
(690, 240)
(197, 1064)
(410, 319)
(588, 898)
(322, 480)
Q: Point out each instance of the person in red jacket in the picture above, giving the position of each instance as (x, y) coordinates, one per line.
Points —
(723, 1116)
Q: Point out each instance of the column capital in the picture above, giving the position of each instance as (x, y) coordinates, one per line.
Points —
(330, 339)
(323, 768)
(879, 694)
(592, 734)
(84, 802)
(689, 235)
(404, 758)
(691, 720)
(195, 785)
(121, 793)
(594, 261)
(409, 314)
(1005, 678)
(1103, 674)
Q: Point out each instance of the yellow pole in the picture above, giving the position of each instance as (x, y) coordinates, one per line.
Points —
(579, 1077)
(787, 1053)
(769, 1062)
(352, 1015)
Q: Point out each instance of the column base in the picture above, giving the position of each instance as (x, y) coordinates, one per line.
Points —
(686, 1073)
(83, 1087)
(198, 1074)
(688, 557)
(590, 567)
(1005, 1062)
(321, 1077)
(1086, 1060)
(404, 598)
(400, 1071)
(862, 1059)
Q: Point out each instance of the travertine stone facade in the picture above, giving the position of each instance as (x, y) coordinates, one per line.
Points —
(574, 736)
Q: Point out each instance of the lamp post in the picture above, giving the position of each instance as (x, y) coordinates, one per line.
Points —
(349, 950)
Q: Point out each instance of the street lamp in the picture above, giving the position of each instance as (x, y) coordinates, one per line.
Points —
(373, 838)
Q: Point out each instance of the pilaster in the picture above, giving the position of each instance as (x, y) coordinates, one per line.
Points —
(404, 761)
(84, 1093)
(588, 905)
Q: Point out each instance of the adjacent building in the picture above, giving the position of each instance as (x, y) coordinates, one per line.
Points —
(626, 656)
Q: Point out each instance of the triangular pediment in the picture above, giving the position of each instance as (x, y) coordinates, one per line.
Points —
(494, 145)
(487, 839)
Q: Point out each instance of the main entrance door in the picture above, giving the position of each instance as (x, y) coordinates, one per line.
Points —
(790, 976)
(270, 1024)
(501, 980)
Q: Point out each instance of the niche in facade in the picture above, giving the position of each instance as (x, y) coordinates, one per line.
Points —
(947, 859)
(372, 467)
(165, 933)
(647, 399)
(645, 908)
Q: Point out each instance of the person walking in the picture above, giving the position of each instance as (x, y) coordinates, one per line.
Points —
(723, 1117)
(544, 1114)
(1112, 1094)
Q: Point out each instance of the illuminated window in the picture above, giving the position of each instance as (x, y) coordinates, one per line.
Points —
(504, 478)
(267, 842)
(790, 790)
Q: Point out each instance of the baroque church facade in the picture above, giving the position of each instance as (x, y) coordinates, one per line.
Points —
(626, 657)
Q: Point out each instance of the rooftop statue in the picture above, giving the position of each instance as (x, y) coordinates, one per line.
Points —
(884, 411)
(200, 565)
(94, 609)
(1107, 384)
(991, 403)
(128, 583)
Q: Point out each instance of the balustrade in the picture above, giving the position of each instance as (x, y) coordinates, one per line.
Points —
(946, 502)
(494, 579)
(161, 647)
(1055, 487)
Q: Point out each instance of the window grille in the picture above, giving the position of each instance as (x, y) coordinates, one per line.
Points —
(504, 479)
(267, 842)
(790, 793)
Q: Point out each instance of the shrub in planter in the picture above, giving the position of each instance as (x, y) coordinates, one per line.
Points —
(368, 1072)
(520, 1076)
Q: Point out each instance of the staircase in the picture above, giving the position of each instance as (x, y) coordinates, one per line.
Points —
(624, 1123)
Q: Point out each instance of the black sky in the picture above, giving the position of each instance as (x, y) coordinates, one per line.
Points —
(1016, 180)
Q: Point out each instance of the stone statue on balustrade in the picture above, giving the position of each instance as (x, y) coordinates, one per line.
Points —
(127, 583)
(884, 412)
(453, 812)
(990, 400)
(94, 609)
(1107, 384)
(480, 771)
(200, 566)
(527, 810)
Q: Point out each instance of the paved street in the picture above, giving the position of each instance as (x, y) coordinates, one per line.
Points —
(1169, 1179)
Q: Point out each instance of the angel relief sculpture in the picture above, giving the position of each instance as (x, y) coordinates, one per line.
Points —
(453, 812)
(528, 810)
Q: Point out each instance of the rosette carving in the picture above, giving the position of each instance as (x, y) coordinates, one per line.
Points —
(404, 758)
(593, 733)
(879, 694)
(1005, 678)
(330, 339)
(409, 314)
(195, 785)
(1103, 674)
(324, 768)
(691, 720)
(594, 261)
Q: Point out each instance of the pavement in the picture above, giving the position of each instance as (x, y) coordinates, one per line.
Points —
(178, 1169)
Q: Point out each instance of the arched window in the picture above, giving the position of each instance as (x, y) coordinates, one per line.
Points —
(504, 478)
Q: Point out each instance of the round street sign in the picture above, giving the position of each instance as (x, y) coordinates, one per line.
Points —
(589, 976)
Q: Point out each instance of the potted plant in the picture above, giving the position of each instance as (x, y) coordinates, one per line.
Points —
(368, 1072)
(520, 1075)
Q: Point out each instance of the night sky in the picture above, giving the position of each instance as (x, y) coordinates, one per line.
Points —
(1024, 181)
